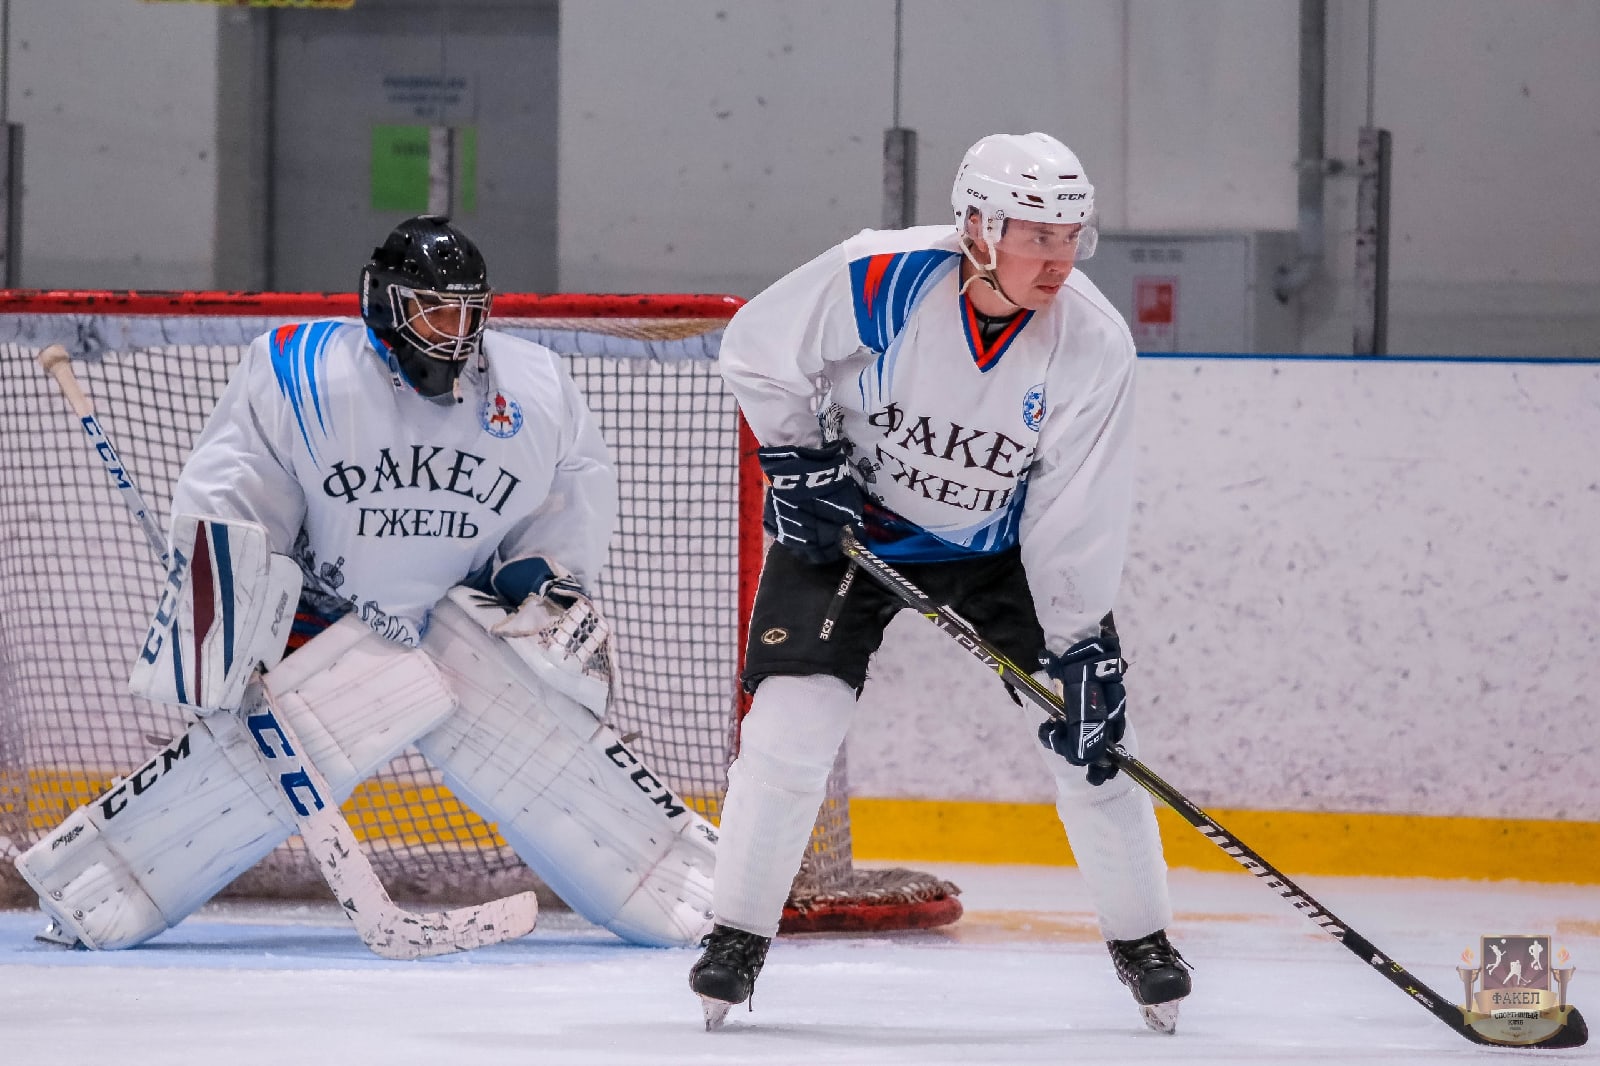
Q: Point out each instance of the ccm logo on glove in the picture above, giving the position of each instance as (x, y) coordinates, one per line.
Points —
(1088, 678)
(813, 480)
(811, 497)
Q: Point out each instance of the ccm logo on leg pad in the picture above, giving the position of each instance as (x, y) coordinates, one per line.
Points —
(659, 794)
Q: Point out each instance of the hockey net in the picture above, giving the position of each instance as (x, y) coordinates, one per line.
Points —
(77, 580)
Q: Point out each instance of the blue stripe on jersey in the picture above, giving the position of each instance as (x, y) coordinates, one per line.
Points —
(223, 557)
(286, 366)
(316, 339)
(995, 534)
(886, 288)
(295, 349)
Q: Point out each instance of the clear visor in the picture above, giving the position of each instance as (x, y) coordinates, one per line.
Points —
(441, 324)
(1025, 239)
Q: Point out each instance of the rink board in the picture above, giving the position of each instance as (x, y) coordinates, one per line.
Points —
(1352, 588)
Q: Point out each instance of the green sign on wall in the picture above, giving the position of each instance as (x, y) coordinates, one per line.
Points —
(400, 169)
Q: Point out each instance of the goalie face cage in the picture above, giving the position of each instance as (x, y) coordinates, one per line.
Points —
(77, 580)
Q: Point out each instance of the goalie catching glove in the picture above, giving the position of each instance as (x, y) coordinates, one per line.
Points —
(811, 497)
(1088, 678)
(559, 632)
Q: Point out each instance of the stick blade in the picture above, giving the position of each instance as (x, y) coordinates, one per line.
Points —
(408, 935)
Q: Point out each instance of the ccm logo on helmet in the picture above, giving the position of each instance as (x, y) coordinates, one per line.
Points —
(814, 480)
(1072, 196)
(976, 195)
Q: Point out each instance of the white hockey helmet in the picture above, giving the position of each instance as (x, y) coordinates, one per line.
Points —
(1028, 176)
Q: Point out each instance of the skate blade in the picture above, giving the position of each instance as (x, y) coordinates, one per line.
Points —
(1162, 1017)
(716, 1012)
(56, 935)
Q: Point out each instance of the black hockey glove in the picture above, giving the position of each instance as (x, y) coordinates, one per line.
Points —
(811, 497)
(1088, 678)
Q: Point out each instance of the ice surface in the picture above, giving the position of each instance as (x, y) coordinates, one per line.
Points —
(1022, 979)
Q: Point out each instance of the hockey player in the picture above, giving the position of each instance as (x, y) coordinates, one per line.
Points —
(963, 398)
(436, 497)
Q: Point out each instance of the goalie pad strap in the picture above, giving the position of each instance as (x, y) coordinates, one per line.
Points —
(227, 606)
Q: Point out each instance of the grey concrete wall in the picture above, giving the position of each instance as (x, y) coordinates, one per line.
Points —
(714, 145)
(119, 105)
(708, 145)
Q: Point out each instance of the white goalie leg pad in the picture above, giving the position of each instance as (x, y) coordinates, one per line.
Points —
(575, 803)
(226, 608)
(158, 844)
(787, 746)
(1116, 842)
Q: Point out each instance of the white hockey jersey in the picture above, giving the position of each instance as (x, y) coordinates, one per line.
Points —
(388, 499)
(964, 447)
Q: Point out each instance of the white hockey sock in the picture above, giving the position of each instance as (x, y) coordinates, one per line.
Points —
(1114, 837)
(787, 746)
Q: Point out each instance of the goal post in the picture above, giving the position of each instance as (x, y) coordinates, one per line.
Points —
(76, 578)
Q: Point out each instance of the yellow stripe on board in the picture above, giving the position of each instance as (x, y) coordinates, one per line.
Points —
(399, 814)
(1297, 842)
(901, 830)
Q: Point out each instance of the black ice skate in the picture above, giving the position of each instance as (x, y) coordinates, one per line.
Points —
(1156, 974)
(726, 971)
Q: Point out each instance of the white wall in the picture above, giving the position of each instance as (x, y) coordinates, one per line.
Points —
(1351, 587)
(118, 101)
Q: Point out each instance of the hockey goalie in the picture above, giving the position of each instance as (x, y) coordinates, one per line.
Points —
(382, 539)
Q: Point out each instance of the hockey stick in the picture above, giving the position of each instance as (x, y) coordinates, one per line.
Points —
(1572, 1031)
(391, 931)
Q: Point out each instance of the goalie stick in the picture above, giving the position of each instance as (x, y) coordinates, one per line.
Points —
(1573, 1033)
(390, 930)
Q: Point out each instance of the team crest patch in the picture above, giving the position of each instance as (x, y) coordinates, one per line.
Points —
(502, 416)
(1033, 407)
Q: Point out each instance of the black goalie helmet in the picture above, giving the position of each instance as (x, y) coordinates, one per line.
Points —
(426, 295)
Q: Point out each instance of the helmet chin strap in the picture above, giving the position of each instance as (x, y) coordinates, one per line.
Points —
(983, 272)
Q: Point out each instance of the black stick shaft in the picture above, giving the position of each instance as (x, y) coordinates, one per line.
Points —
(836, 605)
(1023, 681)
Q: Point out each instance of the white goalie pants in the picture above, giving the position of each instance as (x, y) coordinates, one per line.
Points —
(787, 746)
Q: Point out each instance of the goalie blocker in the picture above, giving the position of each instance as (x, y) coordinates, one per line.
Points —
(575, 802)
(226, 608)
